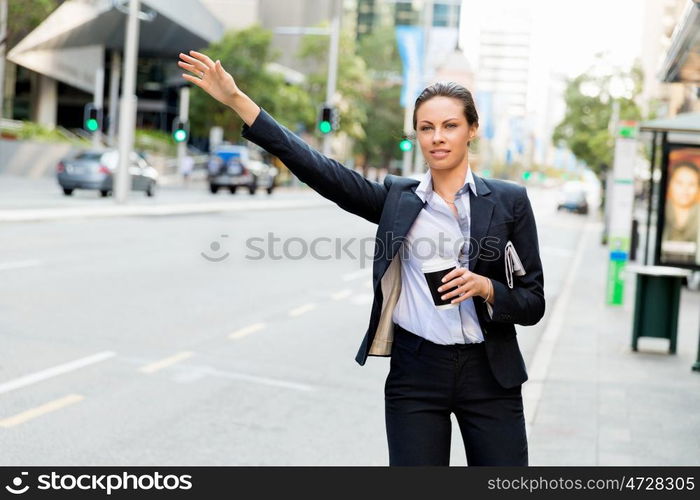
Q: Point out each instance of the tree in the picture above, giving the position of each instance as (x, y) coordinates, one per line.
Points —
(245, 55)
(352, 82)
(590, 99)
(25, 15)
(382, 101)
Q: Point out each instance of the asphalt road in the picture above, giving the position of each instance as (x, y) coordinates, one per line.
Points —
(124, 342)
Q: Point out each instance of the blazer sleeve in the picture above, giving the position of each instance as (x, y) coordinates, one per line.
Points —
(348, 189)
(523, 304)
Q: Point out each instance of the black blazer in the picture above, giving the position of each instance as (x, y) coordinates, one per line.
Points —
(501, 212)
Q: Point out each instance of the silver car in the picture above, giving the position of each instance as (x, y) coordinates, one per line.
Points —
(94, 169)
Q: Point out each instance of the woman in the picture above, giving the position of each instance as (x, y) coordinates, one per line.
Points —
(682, 214)
(464, 360)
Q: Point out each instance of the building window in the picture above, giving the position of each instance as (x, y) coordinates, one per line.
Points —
(406, 15)
(446, 15)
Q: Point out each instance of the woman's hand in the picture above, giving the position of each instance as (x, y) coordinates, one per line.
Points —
(468, 284)
(209, 76)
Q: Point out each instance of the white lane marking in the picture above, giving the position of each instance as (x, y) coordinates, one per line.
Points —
(261, 380)
(355, 275)
(49, 407)
(302, 309)
(4, 266)
(539, 367)
(53, 372)
(247, 330)
(164, 363)
(341, 294)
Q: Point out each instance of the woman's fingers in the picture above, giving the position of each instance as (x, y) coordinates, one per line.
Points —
(194, 62)
(189, 67)
(203, 58)
(193, 79)
(454, 278)
(463, 283)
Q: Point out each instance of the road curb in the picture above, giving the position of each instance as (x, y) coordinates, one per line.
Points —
(46, 214)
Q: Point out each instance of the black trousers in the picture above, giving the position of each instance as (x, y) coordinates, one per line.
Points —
(427, 382)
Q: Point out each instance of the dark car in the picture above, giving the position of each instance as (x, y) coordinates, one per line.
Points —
(231, 166)
(573, 198)
(94, 169)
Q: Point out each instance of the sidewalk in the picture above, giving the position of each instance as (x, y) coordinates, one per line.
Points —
(590, 399)
(24, 200)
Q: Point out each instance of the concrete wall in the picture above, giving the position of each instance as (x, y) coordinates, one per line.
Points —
(31, 159)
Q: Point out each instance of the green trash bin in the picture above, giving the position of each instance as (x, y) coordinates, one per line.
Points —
(657, 302)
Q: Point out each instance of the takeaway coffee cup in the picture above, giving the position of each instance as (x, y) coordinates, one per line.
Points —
(434, 270)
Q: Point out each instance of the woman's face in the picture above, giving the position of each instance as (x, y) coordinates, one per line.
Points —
(443, 132)
(684, 187)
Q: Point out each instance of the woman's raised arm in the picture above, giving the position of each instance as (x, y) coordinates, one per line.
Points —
(350, 190)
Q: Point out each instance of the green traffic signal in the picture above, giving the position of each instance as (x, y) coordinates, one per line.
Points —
(627, 132)
(180, 135)
(405, 145)
(325, 127)
(526, 175)
(91, 125)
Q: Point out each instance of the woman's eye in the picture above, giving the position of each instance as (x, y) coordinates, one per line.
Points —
(451, 125)
(425, 127)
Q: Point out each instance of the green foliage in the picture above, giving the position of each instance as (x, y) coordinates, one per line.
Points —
(353, 82)
(589, 107)
(154, 141)
(380, 52)
(30, 131)
(25, 15)
(384, 127)
(245, 54)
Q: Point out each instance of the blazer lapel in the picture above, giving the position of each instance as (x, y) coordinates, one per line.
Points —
(481, 210)
(407, 209)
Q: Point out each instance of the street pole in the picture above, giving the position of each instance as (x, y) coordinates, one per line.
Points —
(407, 130)
(3, 45)
(127, 110)
(184, 117)
(427, 29)
(98, 101)
(114, 77)
(332, 67)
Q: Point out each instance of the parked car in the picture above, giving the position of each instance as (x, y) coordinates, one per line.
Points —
(573, 198)
(231, 166)
(95, 169)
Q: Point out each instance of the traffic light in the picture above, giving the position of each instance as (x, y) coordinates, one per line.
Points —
(325, 124)
(405, 145)
(92, 118)
(627, 129)
(181, 130)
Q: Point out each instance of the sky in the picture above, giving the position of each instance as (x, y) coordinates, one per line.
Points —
(574, 31)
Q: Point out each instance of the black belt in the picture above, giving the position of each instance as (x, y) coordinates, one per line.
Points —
(410, 339)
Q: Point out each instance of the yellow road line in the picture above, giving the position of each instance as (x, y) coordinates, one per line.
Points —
(164, 363)
(54, 405)
(255, 327)
(302, 309)
(341, 294)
